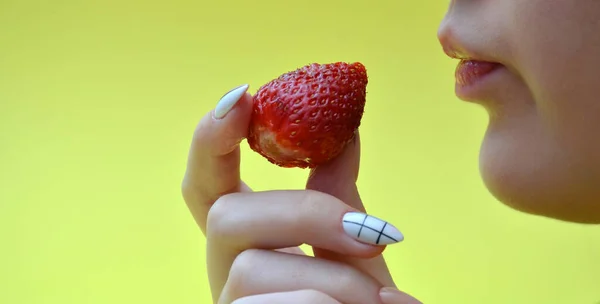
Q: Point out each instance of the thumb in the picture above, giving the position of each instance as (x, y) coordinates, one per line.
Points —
(338, 178)
(213, 167)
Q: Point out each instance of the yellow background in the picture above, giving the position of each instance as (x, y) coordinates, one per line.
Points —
(98, 101)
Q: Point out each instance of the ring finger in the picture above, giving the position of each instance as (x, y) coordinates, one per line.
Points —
(289, 272)
(291, 297)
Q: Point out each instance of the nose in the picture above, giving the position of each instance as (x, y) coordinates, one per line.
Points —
(444, 30)
(445, 34)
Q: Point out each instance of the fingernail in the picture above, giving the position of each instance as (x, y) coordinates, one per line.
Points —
(371, 230)
(229, 100)
(391, 295)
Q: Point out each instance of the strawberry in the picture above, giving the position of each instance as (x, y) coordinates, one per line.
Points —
(304, 118)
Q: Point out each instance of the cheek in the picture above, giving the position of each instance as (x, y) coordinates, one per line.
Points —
(547, 161)
(557, 52)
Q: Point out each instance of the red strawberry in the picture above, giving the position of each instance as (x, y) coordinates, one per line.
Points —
(306, 117)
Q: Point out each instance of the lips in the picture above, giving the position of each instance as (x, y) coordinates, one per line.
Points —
(469, 72)
(474, 81)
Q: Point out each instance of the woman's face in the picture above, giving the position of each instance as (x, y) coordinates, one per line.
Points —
(541, 152)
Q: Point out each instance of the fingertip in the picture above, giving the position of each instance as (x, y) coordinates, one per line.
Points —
(370, 252)
(229, 100)
(361, 252)
(241, 108)
(221, 133)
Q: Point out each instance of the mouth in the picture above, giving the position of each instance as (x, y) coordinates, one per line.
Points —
(475, 74)
(470, 72)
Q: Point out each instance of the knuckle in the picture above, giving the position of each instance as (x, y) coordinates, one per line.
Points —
(214, 139)
(202, 131)
(311, 207)
(192, 190)
(350, 279)
(204, 136)
(311, 203)
(315, 296)
(218, 219)
(188, 191)
(242, 271)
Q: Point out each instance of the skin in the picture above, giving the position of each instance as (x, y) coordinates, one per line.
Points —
(248, 260)
(540, 155)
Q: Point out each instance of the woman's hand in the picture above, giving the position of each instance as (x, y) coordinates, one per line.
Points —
(252, 237)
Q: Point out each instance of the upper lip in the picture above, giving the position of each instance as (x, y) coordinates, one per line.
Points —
(453, 53)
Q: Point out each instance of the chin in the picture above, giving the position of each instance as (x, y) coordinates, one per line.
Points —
(539, 184)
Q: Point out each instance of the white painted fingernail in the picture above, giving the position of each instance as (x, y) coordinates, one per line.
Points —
(371, 230)
(229, 100)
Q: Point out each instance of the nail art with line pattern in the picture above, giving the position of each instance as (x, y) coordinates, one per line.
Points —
(371, 230)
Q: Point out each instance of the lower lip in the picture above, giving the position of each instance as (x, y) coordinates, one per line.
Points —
(471, 76)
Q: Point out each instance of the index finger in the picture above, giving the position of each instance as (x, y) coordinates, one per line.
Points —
(213, 166)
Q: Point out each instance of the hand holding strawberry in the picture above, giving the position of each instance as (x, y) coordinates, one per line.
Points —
(252, 237)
